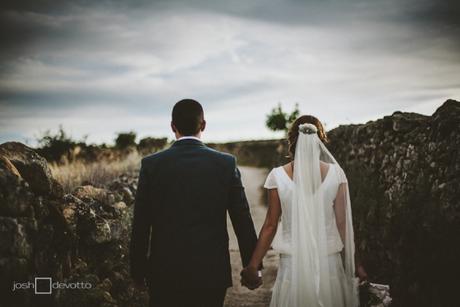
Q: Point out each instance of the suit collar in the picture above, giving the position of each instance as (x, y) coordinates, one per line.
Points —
(189, 138)
(188, 141)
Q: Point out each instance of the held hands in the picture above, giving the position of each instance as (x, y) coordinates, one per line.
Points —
(250, 278)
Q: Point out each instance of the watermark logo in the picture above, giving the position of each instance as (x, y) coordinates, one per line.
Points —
(43, 285)
(46, 285)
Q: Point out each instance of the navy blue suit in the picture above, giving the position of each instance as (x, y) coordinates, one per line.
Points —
(179, 232)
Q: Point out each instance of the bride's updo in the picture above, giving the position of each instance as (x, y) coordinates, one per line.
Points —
(293, 133)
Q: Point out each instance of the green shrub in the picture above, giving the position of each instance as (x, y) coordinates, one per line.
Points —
(55, 146)
(125, 140)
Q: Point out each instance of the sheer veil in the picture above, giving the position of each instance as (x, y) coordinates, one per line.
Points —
(310, 265)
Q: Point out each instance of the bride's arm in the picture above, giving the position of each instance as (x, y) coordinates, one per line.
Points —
(268, 231)
(340, 207)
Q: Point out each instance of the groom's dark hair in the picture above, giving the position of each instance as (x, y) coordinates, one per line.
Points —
(188, 116)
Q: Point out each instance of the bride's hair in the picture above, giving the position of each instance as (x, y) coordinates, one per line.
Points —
(293, 133)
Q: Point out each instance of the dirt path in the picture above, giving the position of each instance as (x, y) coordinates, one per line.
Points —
(253, 179)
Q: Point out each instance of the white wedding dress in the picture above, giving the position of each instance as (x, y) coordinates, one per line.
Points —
(311, 271)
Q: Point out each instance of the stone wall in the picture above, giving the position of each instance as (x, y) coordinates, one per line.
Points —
(265, 153)
(404, 174)
(77, 237)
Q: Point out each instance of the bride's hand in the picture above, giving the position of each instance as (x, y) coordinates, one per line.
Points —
(361, 272)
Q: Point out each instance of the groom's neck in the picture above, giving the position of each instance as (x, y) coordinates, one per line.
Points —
(178, 135)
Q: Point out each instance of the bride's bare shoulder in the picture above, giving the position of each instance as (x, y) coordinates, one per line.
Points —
(324, 165)
(324, 168)
(287, 166)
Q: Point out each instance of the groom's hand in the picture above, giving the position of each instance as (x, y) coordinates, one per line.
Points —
(250, 278)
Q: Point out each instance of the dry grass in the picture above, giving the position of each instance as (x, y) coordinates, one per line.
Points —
(99, 173)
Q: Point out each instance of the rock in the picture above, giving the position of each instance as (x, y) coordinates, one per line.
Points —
(32, 167)
(70, 215)
(120, 205)
(15, 195)
(446, 119)
(8, 167)
(125, 186)
(404, 122)
(88, 191)
(102, 233)
(13, 239)
(106, 285)
(128, 196)
(109, 301)
(94, 216)
(119, 228)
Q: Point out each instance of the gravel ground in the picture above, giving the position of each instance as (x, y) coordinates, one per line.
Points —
(253, 179)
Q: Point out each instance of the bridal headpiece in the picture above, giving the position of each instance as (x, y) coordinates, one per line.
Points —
(308, 128)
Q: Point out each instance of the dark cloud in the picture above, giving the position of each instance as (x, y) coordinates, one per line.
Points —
(140, 56)
(26, 25)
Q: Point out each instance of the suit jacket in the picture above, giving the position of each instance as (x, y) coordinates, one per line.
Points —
(179, 230)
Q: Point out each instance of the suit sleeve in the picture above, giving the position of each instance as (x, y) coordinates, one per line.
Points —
(241, 217)
(140, 229)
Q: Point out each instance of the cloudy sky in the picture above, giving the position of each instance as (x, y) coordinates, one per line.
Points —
(101, 67)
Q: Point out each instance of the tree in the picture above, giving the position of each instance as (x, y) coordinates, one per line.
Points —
(125, 140)
(278, 120)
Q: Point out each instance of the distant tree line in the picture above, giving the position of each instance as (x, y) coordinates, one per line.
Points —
(58, 145)
(61, 145)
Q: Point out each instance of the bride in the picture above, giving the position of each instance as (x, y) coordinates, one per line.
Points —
(310, 197)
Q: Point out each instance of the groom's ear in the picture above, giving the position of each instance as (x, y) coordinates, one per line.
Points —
(203, 125)
(173, 127)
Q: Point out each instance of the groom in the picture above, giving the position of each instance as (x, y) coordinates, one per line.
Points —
(179, 243)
